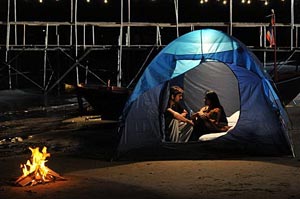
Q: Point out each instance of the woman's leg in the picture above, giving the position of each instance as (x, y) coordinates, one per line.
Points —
(199, 129)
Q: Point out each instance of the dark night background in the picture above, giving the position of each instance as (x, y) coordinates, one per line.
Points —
(104, 63)
(151, 11)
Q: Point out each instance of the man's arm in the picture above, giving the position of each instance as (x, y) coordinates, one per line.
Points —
(180, 117)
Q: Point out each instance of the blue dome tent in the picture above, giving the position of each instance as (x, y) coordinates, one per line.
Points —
(204, 60)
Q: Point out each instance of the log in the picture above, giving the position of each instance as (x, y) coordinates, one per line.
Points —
(54, 174)
(24, 180)
(32, 178)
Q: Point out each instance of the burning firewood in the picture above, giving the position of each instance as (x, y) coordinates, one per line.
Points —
(35, 171)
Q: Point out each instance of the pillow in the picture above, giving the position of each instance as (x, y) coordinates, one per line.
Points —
(232, 120)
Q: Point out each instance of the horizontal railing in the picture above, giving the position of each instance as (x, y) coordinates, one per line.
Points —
(87, 34)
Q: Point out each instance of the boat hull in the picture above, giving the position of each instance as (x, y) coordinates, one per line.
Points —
(288, 88)
(107, 101)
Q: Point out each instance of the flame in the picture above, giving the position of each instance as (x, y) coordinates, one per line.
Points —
(37, 163)
(35, 171)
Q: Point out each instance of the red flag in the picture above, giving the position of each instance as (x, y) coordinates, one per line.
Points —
(270, 32)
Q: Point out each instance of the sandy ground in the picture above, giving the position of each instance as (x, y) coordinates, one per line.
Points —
(81, 148)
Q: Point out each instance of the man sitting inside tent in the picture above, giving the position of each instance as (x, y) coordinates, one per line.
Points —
(178, 127)
(211, 118)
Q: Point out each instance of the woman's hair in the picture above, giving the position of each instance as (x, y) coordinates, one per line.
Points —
(213, 98)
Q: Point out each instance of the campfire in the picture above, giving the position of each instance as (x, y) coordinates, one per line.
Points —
(35, 171)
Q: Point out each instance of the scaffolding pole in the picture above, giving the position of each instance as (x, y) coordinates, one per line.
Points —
(15, 20)
(230, 17)
(71, 21)
(76, 42)
(45, 57)
(176, 16)
(128, 27)
(120, 49)
(292, 24)
(7, 43)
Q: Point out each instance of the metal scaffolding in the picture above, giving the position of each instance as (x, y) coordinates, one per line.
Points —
(83, 39)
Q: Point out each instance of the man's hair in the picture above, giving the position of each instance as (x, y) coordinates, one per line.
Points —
(175, 90)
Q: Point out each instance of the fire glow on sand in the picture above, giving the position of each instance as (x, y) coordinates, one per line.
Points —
(35, 171)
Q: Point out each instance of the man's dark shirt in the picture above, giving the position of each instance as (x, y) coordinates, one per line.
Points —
(168, 116)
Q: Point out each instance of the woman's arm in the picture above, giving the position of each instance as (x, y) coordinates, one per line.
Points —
(203, 110)
(218, 116)
(215, 115)
(201, 113)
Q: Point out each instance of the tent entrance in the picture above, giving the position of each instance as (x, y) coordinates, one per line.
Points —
(215, 76)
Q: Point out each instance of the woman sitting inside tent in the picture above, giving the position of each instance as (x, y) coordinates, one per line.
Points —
(211, 118)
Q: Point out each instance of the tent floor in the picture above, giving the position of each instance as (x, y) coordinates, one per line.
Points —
(192, 150)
